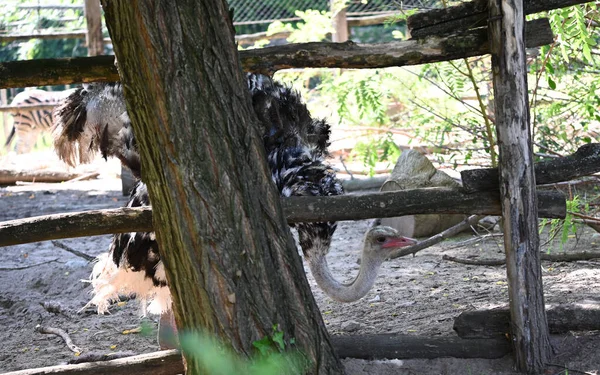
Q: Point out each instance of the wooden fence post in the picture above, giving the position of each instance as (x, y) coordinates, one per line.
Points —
(4, 101)
(517, 186)
(340, 22)
(93, 17)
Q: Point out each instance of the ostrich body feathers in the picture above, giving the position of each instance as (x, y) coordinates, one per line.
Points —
(94, 119)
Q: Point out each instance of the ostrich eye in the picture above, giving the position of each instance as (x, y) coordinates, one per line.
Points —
(380, 239)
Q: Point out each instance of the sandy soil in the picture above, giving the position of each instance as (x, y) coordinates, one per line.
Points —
(418, 295)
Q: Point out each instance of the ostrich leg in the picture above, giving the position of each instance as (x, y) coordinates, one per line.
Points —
(167, 331)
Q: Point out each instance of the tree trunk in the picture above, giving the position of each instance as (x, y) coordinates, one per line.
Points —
(232, 264)
(529, 326)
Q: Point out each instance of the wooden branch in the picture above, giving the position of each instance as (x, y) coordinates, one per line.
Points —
(75, 224)
(496, 322)
(350, 55)
(166, 362)
(470, 15)
(585, 161)
(297, 209)
(49, 72)
(406, 347)
(407, 202)
(76, 34)
(10, 176)
(268, 60)
(450, 232)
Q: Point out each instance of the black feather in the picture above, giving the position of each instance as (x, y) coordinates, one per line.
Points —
(295, 144)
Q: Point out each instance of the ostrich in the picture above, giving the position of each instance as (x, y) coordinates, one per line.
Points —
(94, 118)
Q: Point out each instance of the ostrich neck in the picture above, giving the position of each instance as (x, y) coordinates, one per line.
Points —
(342, 292)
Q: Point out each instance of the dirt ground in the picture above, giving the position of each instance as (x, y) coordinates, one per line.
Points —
(418, 295)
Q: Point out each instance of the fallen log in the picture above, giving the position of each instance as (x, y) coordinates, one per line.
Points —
(496, 322)
(364, 183)
(391, 346)
(11, 176)
(470, 15)
(564, 257)
(297, 209)
(166, 362)
(585, 161)
(270, 59)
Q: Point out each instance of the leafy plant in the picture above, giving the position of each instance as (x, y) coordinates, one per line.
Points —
(271, 357)
(563, 228)
(449, 106)
(375, 150)
(314, 28)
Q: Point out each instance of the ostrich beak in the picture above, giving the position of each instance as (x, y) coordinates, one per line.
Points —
(399, 242)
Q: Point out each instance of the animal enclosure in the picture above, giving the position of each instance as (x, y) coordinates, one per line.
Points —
(348, 56)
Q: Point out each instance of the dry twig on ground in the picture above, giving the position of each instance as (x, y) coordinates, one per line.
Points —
(61, 245)
(83, 177)
(565, 257)
(475, 262)
(28, 266)
(62, 334)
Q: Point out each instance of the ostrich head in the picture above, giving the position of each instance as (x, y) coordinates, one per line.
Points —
(379, 244)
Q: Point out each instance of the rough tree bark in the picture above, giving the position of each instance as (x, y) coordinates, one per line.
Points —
(529, 326)
(232, 265)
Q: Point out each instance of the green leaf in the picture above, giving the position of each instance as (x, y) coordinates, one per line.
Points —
(263, 345)
(551, 83)
(587, 53)
(278, 338)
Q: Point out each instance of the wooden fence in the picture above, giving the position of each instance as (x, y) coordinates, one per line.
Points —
(516, 172)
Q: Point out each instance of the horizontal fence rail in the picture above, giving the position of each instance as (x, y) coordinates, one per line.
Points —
(552, 204)
(268, 60)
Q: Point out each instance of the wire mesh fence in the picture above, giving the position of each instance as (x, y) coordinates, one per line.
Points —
(248, 12)
(17, 15)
